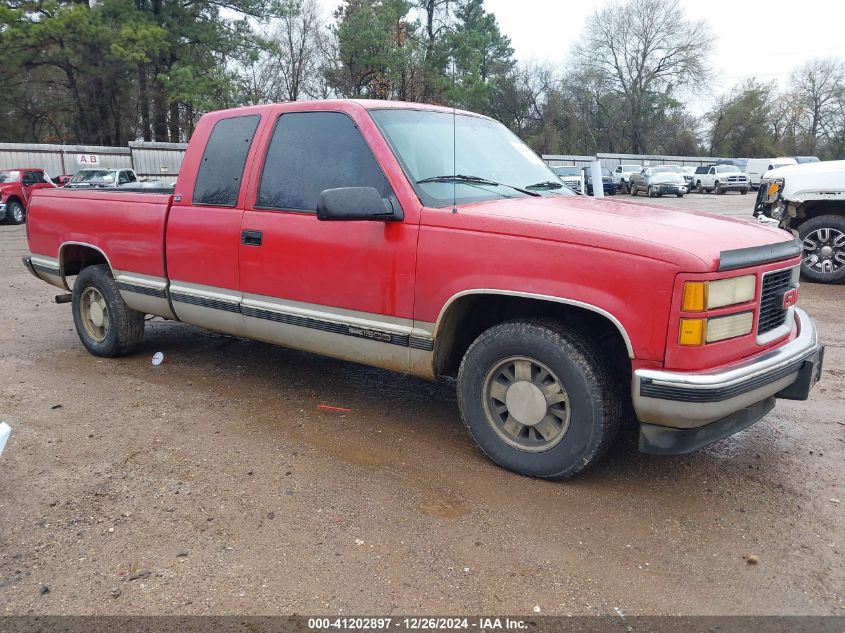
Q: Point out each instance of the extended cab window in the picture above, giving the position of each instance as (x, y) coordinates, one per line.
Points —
(222, 167)
(311, 152)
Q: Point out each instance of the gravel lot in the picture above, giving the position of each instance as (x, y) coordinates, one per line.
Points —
(213, 484)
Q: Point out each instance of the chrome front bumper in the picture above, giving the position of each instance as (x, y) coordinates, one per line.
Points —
(692, 400)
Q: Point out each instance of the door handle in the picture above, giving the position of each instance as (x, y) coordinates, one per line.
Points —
(251, 238)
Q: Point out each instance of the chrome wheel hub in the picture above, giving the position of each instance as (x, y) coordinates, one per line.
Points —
(95, 314)
(526, 404)
(824, 250)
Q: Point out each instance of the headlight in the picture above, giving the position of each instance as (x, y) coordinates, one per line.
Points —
(696, 332)
(707, 295)
(774, 188)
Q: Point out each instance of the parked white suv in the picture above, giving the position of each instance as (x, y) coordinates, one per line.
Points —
(622, 174)
(719, 179)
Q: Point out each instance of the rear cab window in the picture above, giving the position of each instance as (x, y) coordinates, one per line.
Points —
(221, 169)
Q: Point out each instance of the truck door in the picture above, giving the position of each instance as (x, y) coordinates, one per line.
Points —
(342, 288)
(204, 225)
(32, 180)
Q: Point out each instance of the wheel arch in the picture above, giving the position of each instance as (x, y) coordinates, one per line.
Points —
(817, 208)
(466, 314)
(74, 256)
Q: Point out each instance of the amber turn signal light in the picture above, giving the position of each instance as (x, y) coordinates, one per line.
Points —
(695, 296)
(692, 332)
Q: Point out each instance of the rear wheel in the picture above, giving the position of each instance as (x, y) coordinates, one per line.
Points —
(104, 323)
(15, 213)
(824, 249)
(538, 398)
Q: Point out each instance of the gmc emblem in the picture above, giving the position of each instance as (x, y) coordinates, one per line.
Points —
(790, 298)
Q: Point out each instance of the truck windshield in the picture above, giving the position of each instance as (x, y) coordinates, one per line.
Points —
(568, 171)
(94, 176)
(432, 145)
(10, 176)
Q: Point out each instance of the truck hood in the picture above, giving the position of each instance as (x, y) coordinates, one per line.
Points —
(668, 178)
(807, 181)
(694, 241)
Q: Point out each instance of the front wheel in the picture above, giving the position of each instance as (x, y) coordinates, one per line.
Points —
(632, 189)
(679, 195)
(15, 213)
(538, 398)
(823, 239)
(744, 192)
(105, 324)
(717, 189)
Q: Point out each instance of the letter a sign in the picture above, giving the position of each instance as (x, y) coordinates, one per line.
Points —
(88, 160)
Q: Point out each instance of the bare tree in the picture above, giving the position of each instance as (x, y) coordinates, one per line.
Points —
(300, 32)
(643, 50)
(819, 85)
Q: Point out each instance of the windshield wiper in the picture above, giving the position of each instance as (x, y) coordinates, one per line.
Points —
(476, 180)
(546, 184)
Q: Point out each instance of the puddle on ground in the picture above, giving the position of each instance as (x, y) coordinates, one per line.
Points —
(442, 509)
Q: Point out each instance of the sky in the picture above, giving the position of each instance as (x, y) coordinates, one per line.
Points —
(753, 38)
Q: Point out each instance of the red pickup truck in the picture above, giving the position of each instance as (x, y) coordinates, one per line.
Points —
(16, 188)
(434, 242)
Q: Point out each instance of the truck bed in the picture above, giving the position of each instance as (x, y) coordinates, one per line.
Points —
(128, 226)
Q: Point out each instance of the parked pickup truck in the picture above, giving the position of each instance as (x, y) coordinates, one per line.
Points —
(16, 189)
(809, 198)
(344, 228)
(720, 179)
(102, 177)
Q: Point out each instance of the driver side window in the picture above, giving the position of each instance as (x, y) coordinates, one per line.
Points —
(313, 151)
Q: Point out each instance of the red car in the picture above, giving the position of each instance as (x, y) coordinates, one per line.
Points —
(363, 231)
(16, 187)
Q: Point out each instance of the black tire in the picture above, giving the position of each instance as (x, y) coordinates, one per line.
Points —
(15, 213)
(679, 195)
(124, 327)
(812, 232)
(594, 398)
(699, 188)
(718, 189)
(744, 192)
(632, 189)
(650, 191)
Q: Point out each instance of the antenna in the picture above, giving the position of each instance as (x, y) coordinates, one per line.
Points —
(454, 145)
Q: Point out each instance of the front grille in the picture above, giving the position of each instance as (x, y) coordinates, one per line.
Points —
(772, 314)
(736, 179)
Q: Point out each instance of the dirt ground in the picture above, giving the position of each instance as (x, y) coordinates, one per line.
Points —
(213, 484)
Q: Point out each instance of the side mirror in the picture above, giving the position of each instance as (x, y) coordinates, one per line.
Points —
(356, 203)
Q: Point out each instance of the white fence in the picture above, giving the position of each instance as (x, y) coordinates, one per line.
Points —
(161, 161)
(612, 160)
(154, 161)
